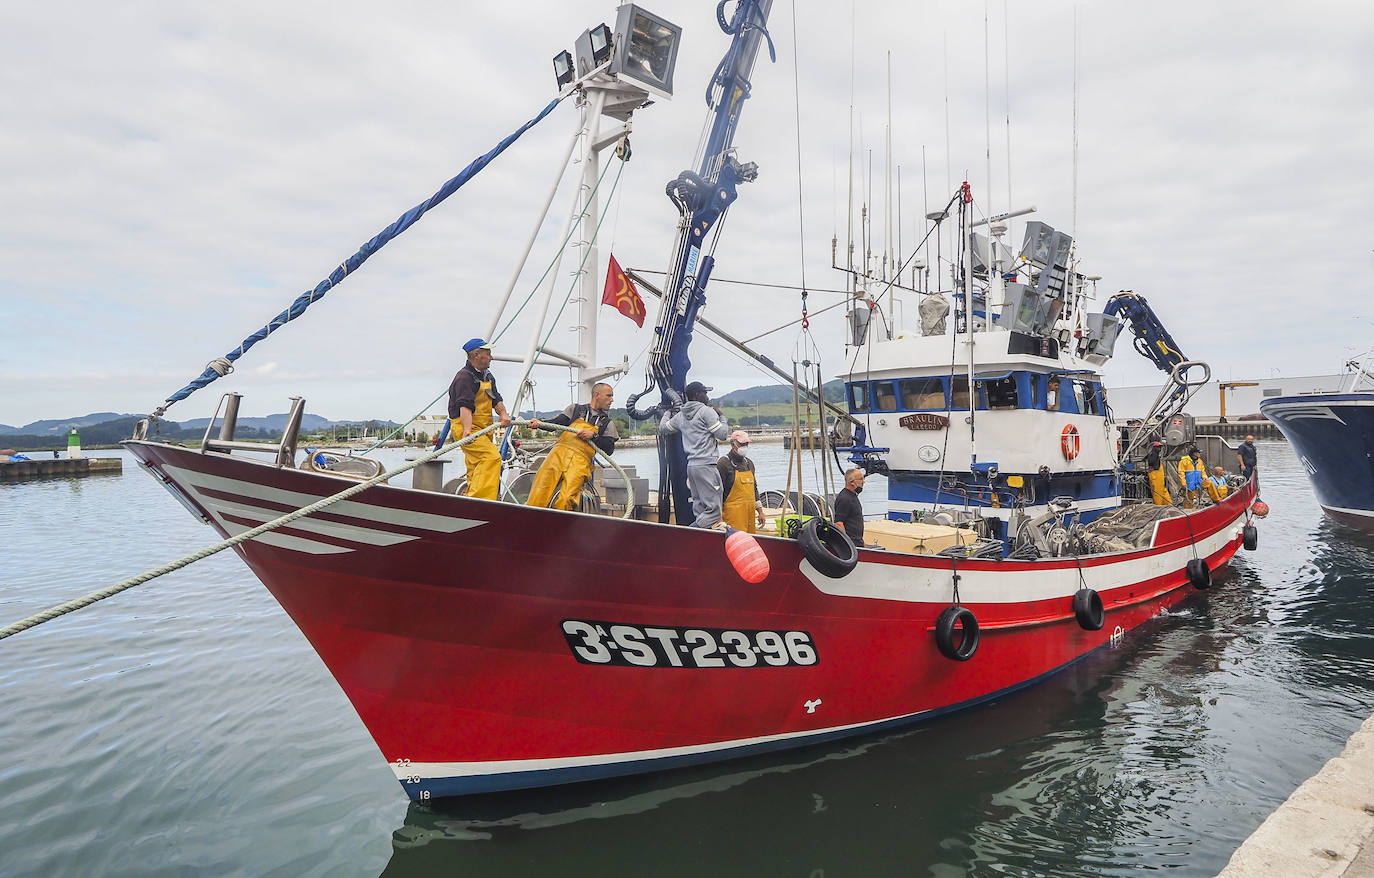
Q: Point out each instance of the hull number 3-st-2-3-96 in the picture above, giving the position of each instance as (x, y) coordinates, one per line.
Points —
(661, 646)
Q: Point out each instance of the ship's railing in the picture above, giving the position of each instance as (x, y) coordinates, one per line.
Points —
(284, 451)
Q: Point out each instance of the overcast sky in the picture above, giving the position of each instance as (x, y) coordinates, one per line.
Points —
(175, 174)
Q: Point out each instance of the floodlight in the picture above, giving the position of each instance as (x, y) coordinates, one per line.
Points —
(646, 47)
(563, 68)
(593, 49)
(601, 44)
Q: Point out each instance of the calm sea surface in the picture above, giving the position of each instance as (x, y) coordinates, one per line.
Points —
(186, 728)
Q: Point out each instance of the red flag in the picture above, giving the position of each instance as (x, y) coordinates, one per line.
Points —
(621, 295)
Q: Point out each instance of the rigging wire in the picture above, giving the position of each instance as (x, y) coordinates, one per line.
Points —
(747, 283)
(558, 254)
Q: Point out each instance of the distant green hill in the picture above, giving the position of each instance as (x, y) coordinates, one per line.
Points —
(770, 393)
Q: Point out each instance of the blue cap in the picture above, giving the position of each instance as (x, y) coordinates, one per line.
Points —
(473, 344)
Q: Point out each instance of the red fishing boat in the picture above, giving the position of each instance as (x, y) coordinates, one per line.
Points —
(489, 645)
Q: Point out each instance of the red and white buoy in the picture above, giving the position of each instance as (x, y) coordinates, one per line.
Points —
(746, 556)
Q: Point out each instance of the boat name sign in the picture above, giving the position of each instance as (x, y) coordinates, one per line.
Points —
(655, 646)
(924, 421)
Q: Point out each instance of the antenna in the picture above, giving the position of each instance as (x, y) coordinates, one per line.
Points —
(887, 230)
(850, 231)
(1074, 232)
(987, 109)
(1006, 72)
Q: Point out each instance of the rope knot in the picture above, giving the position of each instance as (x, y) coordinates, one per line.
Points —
(221, 365)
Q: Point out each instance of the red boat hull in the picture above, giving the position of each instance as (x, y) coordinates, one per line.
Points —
(490, 646)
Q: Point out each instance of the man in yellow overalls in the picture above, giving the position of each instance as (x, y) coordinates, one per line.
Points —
(742, 508)
(1216, 485)
(1154, 467)
(471, 399)
(570, 461)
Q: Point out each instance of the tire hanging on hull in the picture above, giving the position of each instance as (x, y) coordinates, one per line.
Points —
(1088, 609)
(828, 548)
(1199, 574)
(945, 626)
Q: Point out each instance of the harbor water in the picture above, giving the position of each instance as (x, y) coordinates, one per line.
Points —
(185, 727)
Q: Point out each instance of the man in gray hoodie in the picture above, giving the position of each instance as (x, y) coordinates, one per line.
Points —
(702, 426)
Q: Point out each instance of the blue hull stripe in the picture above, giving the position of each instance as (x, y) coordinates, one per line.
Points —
(922, 488)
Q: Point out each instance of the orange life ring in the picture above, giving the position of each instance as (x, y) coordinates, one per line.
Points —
(1068, 442)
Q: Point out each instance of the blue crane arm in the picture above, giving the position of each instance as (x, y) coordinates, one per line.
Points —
(1152, 340)
(702, 197)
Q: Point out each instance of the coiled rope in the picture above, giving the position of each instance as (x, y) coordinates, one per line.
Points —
(112, 590)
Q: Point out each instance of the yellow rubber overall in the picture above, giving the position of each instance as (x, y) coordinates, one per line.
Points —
(570, 461)
(483, 460)
(738, 510)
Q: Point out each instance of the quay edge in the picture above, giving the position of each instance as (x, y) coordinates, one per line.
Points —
(1326, 828)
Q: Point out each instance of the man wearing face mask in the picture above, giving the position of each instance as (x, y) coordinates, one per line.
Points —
(741, 508)
(849, 512)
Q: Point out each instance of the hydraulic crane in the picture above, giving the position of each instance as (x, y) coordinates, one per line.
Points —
(701, 197)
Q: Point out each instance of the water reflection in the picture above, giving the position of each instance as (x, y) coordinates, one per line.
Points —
(1034, 782)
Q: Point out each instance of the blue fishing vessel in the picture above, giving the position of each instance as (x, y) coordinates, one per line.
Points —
(1333, 436)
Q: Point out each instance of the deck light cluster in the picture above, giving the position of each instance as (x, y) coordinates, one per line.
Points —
(642, 50)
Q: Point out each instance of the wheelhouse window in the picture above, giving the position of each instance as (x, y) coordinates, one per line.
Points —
(1000, 393)
(858, 396)
(958, 392)
(884, 396)
(919, 394)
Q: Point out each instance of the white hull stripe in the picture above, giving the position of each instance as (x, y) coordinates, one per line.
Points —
(436, 770)
(338, 530)
(280, 540)
(350, 508)
(1303, 413)
(1013, 582)
(1364, 513)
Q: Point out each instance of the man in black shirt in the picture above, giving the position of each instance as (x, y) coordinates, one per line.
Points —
(849, 512)
(1247, 457)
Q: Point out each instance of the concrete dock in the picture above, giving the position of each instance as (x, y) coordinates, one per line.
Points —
(59, 467)
(1326, 828)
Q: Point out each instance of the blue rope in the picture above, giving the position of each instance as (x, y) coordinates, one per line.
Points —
(336, 277)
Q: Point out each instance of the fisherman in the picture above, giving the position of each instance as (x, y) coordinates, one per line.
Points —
(1216, 485)
(570, 461)
(743, 509)
(471, 399)
(1245, 454)
(701, 425)
(1191, 471)
(1154, 465)
(849, 512)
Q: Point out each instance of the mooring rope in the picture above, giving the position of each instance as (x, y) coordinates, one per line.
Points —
(109, 591)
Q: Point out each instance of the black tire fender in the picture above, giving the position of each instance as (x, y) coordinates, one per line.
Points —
(1199, 574)
(1088, 609)
(944, 633)
(1249, 537)
(827, 548)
